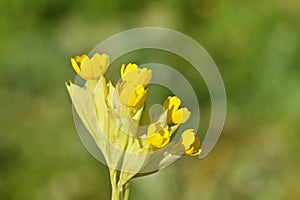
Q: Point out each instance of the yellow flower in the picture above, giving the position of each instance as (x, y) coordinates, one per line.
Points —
(176, 115)
(90, 68)
(157, 135)
(132, 89)
(190, 142)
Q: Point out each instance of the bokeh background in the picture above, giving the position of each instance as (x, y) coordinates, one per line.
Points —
(256, 46)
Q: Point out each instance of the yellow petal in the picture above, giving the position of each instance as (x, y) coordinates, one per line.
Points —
(76, 62)
(189, 151)
(180, 116)
(138, 76)
(138, 96)
(100, 62)
(188, 138)
(158, 140)
(127, 68)
(172, 103)
(75, 65)
(185, 115)
(79, 59)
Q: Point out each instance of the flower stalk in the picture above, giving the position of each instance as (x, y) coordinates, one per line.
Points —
(119, 191)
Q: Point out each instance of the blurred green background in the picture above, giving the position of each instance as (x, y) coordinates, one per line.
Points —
(256, 46)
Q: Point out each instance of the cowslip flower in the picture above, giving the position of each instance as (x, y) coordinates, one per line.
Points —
(112, 115)
(158, 136)
(90, 68)
(176, 115)
(190, 142)
(132, 90)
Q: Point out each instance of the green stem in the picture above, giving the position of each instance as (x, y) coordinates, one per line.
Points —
(119, 192)
(127, 189)
(113, 182)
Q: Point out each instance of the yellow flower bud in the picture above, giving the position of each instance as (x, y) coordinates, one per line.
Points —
(157, 135)
(190, 142)
(90, 68)
(176, 115)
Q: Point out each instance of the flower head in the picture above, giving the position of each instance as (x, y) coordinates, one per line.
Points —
(132, 89)
(176, 115)
(157, 135)
(90, 68)
(190, 142)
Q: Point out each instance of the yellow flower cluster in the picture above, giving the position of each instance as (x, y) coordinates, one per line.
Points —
(132, 92)
(112, 116)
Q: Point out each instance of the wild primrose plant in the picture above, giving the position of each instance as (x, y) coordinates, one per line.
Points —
(114, 114)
